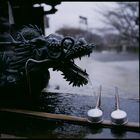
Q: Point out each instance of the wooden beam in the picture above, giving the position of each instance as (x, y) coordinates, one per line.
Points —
(132, 126)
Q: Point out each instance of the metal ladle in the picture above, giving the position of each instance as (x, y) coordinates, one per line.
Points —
(95, 115)
(118, 117)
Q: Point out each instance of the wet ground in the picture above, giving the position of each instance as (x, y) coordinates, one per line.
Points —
(109, 69)
(20, 126)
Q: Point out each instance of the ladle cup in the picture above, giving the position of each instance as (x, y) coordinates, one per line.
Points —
(95, 115)
(118, 117)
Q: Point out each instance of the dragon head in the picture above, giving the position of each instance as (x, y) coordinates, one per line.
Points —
(61, 51)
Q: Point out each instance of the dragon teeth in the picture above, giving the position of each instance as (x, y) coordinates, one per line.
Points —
(70, 82)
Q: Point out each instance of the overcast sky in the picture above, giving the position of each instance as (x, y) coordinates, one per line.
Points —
(68, 14)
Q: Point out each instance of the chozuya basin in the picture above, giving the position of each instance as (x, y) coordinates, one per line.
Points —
(96, 115)
(118, 117)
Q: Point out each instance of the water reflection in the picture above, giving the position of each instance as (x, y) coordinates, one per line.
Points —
(117, 132)
(73, 104)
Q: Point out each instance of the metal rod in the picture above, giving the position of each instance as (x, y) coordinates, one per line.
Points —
(27, 73)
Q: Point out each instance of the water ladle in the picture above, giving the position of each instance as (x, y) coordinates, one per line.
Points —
(95, 115)
(118, 117)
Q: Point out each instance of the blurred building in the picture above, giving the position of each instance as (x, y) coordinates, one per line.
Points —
(22, 12)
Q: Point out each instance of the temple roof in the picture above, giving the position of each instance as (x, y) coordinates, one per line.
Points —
(31, 2)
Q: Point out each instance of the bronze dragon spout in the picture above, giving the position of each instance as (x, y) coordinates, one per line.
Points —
(25, 60)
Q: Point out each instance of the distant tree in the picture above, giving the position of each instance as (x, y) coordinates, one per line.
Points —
(78, 33)
(124, 19)
(70, 31)
(112, 41)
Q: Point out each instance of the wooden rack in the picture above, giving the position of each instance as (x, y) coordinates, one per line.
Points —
(130, 126)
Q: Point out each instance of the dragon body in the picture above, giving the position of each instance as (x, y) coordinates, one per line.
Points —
(25, 60)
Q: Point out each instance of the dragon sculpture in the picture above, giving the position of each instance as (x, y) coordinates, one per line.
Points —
(26, 58)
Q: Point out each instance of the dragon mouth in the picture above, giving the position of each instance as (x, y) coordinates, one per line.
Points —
(73, 73)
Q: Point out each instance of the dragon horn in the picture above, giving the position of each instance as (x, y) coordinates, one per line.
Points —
(13, 40)
(39, 29)
(22, 37)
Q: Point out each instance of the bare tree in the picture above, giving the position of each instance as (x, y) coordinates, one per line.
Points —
(125, 19)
